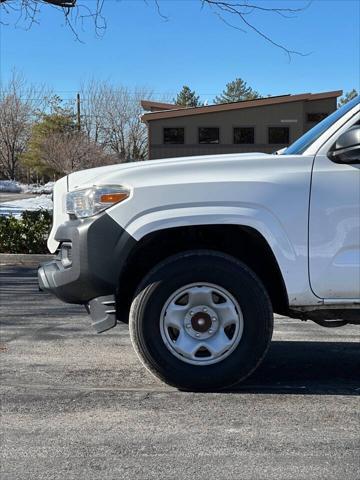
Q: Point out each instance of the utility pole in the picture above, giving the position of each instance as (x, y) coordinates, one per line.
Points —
(78, 108)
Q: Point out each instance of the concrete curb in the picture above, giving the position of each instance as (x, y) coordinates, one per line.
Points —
(26, 260)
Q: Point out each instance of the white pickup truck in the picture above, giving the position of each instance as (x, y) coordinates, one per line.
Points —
(197, 253)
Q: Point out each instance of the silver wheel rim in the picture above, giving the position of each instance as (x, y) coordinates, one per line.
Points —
(201, 324)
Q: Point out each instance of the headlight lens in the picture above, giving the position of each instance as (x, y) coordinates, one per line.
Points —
(90, 201)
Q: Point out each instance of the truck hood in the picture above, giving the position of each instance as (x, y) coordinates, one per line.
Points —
(138, 171)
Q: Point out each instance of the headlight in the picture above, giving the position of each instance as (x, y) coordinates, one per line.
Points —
(90, 201)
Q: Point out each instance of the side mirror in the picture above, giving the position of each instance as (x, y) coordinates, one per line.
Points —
(346, 149)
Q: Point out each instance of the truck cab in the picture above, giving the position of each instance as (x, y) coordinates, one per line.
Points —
(196, 253)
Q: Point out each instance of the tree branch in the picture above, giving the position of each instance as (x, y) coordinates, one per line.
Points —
(241, 10)
(238, 11)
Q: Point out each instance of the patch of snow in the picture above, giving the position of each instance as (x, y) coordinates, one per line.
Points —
(47, 188)
(10, 186)
(17, 207)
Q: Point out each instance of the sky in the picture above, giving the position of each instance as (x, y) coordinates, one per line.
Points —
(191, 46)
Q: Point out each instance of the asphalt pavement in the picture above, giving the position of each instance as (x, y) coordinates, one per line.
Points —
(10, 197)
(77, 405)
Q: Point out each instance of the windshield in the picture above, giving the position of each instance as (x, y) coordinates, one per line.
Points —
(301, 144)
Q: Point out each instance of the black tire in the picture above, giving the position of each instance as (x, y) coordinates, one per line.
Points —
(192, 267)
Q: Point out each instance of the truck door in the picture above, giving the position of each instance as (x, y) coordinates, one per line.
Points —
(334, 223)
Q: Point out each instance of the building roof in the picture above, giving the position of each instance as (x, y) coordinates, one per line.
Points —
(151, 106)
(172, 111)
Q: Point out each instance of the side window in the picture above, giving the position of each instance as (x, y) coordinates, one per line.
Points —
(209, 135)
(244, 135)
(174, 136)
(316, 117)
(279, 135)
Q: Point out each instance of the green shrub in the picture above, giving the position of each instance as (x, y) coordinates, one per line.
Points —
(27, 234)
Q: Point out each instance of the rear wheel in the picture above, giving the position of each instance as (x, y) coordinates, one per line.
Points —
(201, 320)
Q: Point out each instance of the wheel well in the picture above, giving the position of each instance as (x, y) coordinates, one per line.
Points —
(244, 243)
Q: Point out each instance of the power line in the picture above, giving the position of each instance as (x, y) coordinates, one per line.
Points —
(168, 93)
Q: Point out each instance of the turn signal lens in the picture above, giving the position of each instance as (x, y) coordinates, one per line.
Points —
(113, 197)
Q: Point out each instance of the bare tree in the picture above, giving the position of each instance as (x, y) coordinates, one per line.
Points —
(93, 95)
(137, 130)
(111, 117)
(18, 106)
(65, 153)
(238, 14)
(111, 128)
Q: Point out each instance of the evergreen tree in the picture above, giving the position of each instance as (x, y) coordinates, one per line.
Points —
(347, 97)
(187, 98)
(236, 91)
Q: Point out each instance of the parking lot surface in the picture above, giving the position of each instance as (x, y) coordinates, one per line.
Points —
(9, 197)
(77, 405)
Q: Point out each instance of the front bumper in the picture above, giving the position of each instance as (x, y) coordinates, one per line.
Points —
(91, 272)
(87, 268)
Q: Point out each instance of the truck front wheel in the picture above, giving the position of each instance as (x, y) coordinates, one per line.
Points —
(201, 320)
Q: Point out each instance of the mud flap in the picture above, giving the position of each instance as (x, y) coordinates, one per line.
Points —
(102, 311)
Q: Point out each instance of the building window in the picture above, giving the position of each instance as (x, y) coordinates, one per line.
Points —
(209, 135)
(174, 136)
(279, 135)
(316, 117)
(244, 135)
